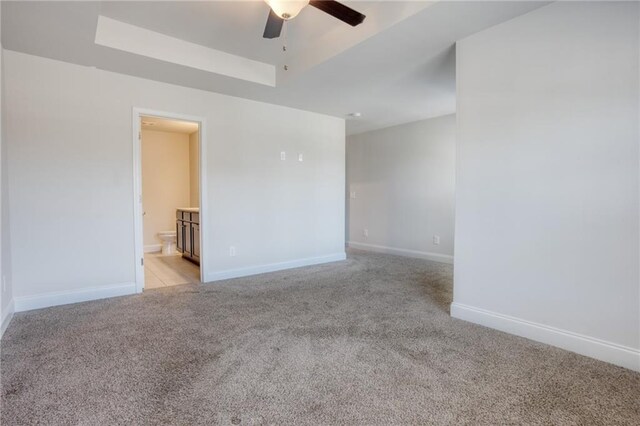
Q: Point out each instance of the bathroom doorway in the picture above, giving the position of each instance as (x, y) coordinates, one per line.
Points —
(168, 221)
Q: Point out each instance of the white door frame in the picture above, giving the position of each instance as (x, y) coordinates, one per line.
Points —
(138, 113)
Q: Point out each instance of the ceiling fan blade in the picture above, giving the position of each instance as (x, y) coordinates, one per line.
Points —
(274, 26)
(339, 10)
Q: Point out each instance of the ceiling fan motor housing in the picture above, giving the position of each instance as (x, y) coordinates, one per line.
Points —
(284, 10)
(287, 9)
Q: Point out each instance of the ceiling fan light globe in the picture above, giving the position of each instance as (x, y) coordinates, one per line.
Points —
(287, 9)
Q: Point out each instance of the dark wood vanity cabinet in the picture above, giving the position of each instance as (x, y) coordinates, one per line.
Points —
(196, 240)
(180, 235)
(188, 234)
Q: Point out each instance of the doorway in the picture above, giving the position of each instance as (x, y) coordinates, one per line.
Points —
(168, 199)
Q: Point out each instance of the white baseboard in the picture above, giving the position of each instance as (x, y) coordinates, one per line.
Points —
(584, 345)
(7, 315)
(153, 248)
(38, 301)
(436, 257)
(273, 267)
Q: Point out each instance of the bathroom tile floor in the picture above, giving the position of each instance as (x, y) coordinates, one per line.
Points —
(166, 271)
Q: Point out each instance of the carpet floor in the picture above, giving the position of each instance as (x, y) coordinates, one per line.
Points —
(367, 341)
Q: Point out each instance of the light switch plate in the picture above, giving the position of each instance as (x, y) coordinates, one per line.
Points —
(283, 155)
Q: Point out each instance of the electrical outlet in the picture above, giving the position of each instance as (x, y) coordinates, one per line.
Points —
(283, 155)
(366, 233)
(436, 240)
(300, 158)
(353, 195)
(232, 251)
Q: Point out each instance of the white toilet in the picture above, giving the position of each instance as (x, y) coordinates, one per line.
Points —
(168, 241)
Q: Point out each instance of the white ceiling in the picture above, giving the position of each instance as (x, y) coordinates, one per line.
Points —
(398, 66)
(166, 125)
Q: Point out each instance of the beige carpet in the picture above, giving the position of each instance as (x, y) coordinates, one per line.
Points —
(368, 341)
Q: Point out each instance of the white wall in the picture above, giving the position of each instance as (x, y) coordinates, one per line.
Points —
(165, 182)
(194, 169)
(6, 287)
(403, 180)
(69, 136)
(547, 217)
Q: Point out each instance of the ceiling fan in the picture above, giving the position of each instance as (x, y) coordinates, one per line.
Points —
(284, 10)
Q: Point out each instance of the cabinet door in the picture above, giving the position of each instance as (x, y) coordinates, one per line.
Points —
(196, 240)
(180, 235)
(188, 232)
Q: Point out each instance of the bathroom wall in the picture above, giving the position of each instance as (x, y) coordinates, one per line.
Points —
(194, 169)
(71, 180)
(165, 182)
